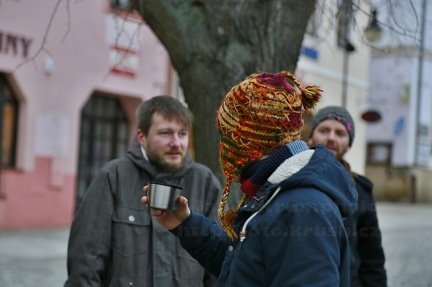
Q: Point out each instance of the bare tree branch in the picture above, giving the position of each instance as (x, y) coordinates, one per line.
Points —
(68, 22)
(42, 47)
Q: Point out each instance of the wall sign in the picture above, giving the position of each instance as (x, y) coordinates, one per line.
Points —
(14, 45)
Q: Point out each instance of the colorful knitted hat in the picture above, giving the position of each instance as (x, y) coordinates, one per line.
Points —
(256, 117)
(337, 113)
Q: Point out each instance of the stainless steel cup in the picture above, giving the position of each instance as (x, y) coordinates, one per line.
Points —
(163, 196)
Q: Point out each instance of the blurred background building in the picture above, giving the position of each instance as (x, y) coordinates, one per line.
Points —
(71, 76)
(399, 158)
(379, 67)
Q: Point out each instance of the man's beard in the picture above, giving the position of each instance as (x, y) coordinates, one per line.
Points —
(163, 166)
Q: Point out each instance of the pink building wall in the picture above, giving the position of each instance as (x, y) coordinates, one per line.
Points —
(53, 82)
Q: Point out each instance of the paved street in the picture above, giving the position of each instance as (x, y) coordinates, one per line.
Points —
(407, 240)
(33, 258)
(36, 258)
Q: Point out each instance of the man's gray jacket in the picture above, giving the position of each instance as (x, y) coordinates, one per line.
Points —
(114, 241)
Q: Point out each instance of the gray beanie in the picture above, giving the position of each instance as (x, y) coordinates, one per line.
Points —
(337, 113)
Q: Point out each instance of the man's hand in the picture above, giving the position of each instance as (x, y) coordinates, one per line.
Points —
(170, 219)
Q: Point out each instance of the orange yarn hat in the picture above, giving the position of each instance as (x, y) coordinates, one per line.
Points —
(257, 116)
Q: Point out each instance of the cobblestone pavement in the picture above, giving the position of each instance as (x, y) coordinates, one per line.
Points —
(37, 258)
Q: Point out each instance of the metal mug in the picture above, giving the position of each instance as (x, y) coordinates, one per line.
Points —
(163, 196)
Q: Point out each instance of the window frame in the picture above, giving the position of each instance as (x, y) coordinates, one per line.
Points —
(94, 150)
(345, 19)
(10, 123)
(117, 5)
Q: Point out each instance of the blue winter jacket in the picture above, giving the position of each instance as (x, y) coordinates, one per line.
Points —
(296, 238)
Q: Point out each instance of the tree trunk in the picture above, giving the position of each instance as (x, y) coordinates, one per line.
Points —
(215, 44)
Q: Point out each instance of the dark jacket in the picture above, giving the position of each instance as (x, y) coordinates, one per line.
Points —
(115, 242)
(367, 254)
(297, 239)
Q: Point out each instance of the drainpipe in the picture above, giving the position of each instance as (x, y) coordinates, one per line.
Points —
(414, 173)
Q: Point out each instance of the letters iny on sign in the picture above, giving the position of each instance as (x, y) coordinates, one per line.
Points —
(14, 44)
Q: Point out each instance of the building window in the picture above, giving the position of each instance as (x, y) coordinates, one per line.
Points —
(345, 19)
(121, 4)
(9, 124)
(379, 153)
(104, 135)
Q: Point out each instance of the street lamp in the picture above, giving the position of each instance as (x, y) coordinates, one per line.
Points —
(373, 31)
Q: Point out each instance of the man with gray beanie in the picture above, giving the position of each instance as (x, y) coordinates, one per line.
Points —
(333, 127)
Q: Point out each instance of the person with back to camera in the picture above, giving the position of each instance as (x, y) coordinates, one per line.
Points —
(333, 127)
(288, 228)
(113, 239)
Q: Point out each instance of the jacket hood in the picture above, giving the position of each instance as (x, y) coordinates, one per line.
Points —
(135, 154)
(318, 168)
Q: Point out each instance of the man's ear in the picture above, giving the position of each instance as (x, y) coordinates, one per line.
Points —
(309, 142)
(141, 137)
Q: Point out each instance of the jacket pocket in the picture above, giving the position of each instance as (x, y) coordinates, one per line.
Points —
(187, 269)
(130, 231)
